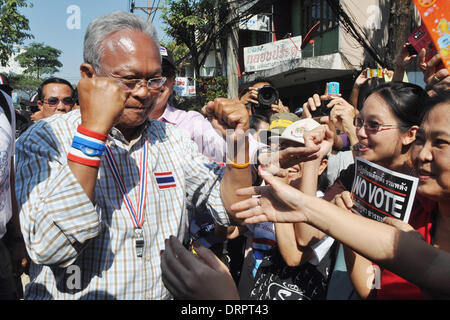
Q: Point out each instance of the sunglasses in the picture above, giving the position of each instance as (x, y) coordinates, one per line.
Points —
(53, 101)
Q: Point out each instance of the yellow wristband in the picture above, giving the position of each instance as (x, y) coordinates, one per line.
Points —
(237, 165)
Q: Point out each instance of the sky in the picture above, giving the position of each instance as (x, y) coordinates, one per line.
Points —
(62, 24)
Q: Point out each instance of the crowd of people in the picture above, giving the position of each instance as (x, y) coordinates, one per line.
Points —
(112, 192)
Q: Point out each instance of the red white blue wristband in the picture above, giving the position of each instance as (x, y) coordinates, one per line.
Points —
(87, 147)
(92, 134)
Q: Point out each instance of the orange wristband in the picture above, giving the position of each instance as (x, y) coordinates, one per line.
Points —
(237, 165)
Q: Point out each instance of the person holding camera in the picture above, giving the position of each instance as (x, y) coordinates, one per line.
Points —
(261, 98)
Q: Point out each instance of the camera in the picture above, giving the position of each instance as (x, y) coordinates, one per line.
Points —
(267, 96)
(333, 88)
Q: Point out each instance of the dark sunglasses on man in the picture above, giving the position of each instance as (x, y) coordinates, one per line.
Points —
(53, 101)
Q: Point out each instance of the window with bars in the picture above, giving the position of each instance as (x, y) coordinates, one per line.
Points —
(317, 11)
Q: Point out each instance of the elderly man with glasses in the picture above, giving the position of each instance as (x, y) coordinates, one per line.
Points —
(100, 188)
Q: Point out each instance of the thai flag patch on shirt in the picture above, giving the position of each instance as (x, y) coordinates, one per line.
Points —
(165, 180)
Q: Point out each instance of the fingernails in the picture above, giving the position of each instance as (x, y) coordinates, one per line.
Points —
(262, 168)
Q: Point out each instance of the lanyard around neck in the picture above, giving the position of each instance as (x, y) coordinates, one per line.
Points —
(137, 217)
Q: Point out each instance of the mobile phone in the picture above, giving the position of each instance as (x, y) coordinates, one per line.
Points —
(333, 88)
(375, 73)
(419, 39)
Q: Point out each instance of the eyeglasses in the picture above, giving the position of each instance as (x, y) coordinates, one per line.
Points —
(132, 84)
(54, 101)
(372, 126)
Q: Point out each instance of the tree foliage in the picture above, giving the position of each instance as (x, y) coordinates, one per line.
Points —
(191, 23)
(39, 59)
(13, 27)
(25, 83)
(179, 51)
(203, 24)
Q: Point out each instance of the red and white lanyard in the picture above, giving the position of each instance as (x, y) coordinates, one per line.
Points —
(137, 217)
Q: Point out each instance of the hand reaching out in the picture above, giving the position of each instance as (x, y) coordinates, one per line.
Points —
(201, 277)
(286, 158)
(278, 202)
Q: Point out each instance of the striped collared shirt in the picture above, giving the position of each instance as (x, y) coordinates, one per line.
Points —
(82, 250)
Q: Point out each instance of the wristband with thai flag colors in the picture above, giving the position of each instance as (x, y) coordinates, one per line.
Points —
(87, 147)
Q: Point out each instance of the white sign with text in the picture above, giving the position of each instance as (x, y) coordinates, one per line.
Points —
(269, 55)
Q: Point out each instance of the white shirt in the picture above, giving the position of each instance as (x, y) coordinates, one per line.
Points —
(7, 135)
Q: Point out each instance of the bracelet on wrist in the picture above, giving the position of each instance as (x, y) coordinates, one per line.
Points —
(87, 147)
(92, 134)
(238, 165)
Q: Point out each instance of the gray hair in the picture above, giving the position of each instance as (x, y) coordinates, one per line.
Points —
(103, 26)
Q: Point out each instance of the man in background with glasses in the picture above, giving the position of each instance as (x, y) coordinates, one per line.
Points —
(55, 95)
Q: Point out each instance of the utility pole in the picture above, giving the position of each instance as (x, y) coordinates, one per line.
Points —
(149, 9)
(232, 52)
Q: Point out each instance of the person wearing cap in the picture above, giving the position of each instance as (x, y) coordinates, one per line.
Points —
(278, 122)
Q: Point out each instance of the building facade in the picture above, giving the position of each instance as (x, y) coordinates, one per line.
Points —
(330, 52)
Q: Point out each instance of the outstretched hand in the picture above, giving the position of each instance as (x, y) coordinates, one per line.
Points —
(277, 162)
(200, 277)
(275, 202)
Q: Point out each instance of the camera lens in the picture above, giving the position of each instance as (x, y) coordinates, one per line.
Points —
(267, 96)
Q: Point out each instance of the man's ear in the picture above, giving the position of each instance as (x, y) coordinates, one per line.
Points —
(87, 70)
(410, 136)
(323, 165)
(39, 104)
